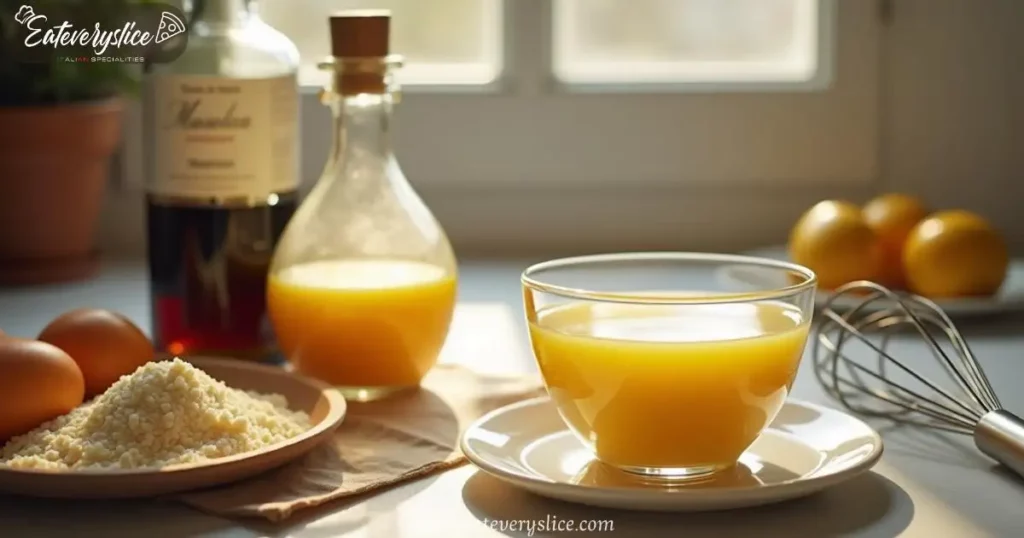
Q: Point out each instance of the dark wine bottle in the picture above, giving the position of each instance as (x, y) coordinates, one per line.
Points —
(208, 272)
(222, 154)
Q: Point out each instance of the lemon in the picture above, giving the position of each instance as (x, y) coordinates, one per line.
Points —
(833, 240)
(892, 217)
(955, 254)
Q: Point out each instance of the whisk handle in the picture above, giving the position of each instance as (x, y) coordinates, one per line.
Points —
(1000, 435)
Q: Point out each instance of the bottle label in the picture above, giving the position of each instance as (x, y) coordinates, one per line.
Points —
(224, 138)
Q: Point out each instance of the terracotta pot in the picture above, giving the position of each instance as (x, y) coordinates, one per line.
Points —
(54, 169)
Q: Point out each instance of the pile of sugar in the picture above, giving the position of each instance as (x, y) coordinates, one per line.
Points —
(165, 413)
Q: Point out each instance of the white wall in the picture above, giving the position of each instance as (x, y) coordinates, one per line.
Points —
(950, 132)
(954, 114)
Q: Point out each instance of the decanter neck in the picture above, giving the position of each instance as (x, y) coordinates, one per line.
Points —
(362, 124)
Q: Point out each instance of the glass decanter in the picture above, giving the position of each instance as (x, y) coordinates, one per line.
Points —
(362, 284)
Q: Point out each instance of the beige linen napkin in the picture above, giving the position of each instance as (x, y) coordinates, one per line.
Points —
(378, 445)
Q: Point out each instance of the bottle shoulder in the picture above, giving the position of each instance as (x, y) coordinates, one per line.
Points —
(368, 211)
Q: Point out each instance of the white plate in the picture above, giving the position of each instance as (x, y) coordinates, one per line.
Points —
(1010, 297)
(807, 448)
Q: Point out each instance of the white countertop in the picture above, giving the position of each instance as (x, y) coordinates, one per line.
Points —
(927, 484)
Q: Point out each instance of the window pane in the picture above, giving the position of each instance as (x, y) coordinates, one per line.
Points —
(685, 40)
(443, 41)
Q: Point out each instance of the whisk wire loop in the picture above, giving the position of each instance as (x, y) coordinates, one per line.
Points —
(967, 413)
(879, 384)
(968, 372)
(900, 397)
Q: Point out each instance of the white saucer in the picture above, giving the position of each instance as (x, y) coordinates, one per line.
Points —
(1010, 297)
(807, 448)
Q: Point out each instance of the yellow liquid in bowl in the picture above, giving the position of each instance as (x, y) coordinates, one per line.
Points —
(362, 323)
(669, 386)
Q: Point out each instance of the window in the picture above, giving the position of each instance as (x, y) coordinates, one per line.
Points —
(601, 124)
(779, 92)
(444, 42)
(686, 41)
(691, 42)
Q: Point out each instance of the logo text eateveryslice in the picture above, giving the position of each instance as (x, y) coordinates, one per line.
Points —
(64, 34)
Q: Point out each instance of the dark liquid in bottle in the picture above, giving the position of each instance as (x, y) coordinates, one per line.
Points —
(208, 271)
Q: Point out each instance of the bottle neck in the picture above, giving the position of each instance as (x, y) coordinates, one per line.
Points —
(222, 12)
(362, 125)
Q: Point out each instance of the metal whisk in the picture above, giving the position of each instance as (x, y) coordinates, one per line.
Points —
(862, 380)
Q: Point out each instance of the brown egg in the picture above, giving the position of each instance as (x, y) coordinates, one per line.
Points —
(38, 382)
(106, 345)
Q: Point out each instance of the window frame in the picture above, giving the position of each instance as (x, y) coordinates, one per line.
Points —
(529, 164)
(528, 84)
(530, 63)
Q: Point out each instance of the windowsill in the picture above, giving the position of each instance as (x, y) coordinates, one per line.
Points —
(539, 220)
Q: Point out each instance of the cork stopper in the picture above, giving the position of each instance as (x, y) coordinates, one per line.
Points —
(360, 42)
(360, 33)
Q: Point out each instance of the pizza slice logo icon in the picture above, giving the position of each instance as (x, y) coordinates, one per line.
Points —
(170, 26)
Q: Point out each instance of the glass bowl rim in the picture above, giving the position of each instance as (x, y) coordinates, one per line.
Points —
(809, 283)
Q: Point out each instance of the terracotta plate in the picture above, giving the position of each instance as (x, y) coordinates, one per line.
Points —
(325, 406)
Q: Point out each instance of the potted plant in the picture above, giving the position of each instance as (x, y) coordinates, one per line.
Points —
(60, 124)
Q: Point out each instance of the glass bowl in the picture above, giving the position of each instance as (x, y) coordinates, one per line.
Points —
(668, 364)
